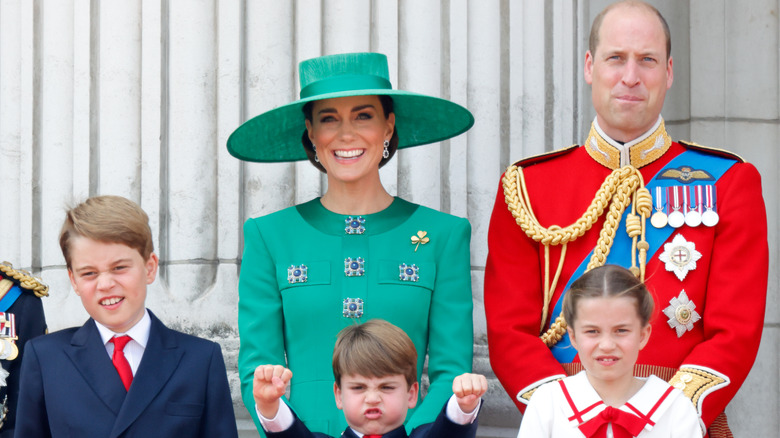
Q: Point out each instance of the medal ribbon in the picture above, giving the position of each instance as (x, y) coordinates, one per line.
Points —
(659, 204)
(696, 194)
(620, 253)
(710, 198)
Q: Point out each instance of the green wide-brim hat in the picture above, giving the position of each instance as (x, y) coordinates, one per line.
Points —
(275, 135)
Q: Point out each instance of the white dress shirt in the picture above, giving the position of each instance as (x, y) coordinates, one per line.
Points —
(134, 350)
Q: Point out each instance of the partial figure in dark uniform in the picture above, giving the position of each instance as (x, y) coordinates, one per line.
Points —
(21, 319)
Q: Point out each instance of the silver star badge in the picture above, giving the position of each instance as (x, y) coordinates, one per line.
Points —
(680, 256)
(681, 313)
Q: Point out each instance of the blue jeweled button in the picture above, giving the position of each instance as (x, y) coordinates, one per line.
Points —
(353, 308)
(355, 225)
(354, 267)
(408, 272)
(297, 274)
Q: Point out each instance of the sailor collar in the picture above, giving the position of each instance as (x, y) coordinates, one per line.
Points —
(639, 152)
(652, 400)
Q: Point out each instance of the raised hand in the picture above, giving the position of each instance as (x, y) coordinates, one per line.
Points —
(468, 389)
(268, 387)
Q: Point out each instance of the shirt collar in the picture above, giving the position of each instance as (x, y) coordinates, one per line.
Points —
(639, 152)
(139, 332)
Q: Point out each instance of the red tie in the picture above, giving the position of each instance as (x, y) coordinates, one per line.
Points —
(372, 436)
(624, 425)
(120, 361)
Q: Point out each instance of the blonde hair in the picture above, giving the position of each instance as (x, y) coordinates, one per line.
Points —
(375, 348)
(107, 218)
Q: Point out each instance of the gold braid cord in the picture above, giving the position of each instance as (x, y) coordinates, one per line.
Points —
(25, 280)
(624, 186)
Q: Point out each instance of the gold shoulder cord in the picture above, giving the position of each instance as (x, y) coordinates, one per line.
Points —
(618, 190)
(25, 280)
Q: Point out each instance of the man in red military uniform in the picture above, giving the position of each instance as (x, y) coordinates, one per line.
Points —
(688, 220)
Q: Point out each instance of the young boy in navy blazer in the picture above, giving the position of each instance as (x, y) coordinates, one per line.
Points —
(375, 371)
(94, 380)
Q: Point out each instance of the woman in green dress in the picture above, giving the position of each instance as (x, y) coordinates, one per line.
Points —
(357, 252)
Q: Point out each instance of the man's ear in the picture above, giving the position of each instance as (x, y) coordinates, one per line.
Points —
(588, 70)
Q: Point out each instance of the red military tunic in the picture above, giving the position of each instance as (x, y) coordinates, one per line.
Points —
(727, 286)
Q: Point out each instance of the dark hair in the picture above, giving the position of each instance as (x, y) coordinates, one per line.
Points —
(608, 281)
(593, 41)
(387, 109)
(112, 219)
(375, 348)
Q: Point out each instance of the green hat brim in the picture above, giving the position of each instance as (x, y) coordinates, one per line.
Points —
(275, 136)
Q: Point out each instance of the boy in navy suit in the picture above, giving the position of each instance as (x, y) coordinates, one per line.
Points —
(375, 370)
(123, 373)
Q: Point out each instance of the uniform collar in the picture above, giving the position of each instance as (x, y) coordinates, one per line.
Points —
(639, 152)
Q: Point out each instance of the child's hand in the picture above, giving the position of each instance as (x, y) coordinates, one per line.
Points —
(268, 387)
(468, 389)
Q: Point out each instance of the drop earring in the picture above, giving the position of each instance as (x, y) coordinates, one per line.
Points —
(314, 148)
(386, 152)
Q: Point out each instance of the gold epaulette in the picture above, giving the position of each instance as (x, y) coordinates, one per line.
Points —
(714, 151)
(24, 280)
(524, 396)
(696, 383)
(534, 159)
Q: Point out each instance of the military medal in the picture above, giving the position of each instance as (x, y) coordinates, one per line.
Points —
(682, 314)
(693, 205)
(680, 256)
(676, 217)
(710, 216)
(659, 219)
(8, 348)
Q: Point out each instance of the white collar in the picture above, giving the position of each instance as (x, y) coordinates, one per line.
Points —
(590, 405)
(139, 332)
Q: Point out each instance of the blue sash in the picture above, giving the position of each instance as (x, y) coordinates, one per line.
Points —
(620, 253)
(10, 297)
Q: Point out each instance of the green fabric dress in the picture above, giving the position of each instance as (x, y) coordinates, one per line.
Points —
(294, 293)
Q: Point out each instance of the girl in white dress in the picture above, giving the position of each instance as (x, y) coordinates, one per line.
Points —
(608, 313)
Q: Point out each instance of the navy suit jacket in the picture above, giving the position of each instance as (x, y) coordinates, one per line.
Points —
(70, 388)
(443, 427)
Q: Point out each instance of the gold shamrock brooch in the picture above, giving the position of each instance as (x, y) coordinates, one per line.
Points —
(419, 239)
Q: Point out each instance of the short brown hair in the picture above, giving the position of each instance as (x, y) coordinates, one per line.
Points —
(608, 281)
(107, 218)
(593, 41)
(375, 348)
(387, 109)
